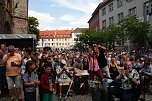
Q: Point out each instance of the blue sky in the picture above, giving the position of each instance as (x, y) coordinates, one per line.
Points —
(62, 14)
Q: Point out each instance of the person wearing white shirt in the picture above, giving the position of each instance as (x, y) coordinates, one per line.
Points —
(63, 79)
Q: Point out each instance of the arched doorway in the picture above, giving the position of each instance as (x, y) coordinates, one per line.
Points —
(7, 28)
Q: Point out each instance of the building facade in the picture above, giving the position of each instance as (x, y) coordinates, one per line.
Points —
(20, 16)
(94, 20)
(56, 39)
(112, 11)
(13, 16)
(5, 17)
(75, 33)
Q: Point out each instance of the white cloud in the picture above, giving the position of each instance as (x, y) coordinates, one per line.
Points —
(67, 21)
(52, 5)
(80, 21)
(86, 6)
(67, 17)
(45, 19)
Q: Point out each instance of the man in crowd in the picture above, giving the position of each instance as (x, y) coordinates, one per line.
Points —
(128, 81)
(12, 61)
(63, 79)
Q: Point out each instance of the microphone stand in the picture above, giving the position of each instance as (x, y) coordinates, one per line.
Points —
(93, 64)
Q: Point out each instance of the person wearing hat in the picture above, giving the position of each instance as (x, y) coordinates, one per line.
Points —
(62, 74)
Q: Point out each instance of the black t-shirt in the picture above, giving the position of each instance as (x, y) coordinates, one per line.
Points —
(102, 61)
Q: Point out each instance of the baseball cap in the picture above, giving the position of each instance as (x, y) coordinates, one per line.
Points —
(63, 61)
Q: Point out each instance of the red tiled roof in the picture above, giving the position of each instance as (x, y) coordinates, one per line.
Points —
(56, 34)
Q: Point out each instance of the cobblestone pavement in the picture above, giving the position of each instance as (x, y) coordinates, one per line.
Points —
(80, 98)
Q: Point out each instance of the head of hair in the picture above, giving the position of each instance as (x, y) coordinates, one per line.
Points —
(28, 65)
(47, 65)
(11, 47)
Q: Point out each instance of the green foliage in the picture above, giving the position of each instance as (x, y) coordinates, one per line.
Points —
(136, 30)
(33, 26)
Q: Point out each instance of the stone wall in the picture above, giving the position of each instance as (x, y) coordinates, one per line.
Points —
(5, 18)
(20, 17)
(2, 16)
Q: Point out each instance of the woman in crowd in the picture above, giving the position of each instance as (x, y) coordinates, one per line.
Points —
(31, 81)
(93, 63)
(113, 69)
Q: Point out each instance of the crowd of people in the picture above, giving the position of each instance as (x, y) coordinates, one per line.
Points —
(27, 73)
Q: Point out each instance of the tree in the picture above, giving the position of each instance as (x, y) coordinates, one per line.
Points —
(136, 31)
(33, 26)
(130, 29)
(115, 35)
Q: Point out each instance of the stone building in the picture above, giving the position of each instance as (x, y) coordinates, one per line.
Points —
(13, 16)
(5, 17)
(20, 17)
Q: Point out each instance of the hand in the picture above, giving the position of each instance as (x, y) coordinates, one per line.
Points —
(37, 82)
(127, 73)
(64, 69)
(52, 90)
(13, 64)
(10, 54)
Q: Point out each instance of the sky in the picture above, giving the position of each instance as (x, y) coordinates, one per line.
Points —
(62, 14)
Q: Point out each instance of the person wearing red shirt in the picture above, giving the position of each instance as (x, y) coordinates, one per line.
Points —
(48, 83)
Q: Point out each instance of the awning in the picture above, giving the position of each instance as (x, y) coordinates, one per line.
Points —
(17, 36)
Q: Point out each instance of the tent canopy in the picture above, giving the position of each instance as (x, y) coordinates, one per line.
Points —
(17, 36)
(18, 40)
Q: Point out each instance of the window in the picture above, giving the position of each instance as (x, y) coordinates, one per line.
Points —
(103, 11)
(49, 44)
(111, 20)
(129, 0)
(57, 44)
(52, 39)
(132, 11)
(52, 44)
(65, 39)
(111, 7)
(119, 3)
(62, 43)
(147, 10)
(103, 24)
(120, 17)
(150, 13)
(48, 39)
